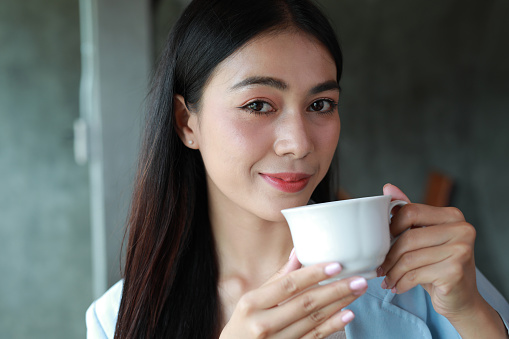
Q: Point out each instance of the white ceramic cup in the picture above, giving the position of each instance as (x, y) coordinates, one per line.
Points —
(353, 232)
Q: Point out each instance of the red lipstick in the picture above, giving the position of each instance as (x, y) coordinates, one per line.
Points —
(287, 182)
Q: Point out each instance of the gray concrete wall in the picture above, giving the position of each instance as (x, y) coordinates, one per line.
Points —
(47, 202)
(125, 60)
(45, 269)
(117, 59)
(425, 87)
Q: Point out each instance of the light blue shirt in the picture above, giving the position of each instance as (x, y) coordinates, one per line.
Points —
(379, 313)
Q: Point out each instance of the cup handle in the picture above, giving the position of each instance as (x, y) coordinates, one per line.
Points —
(391, 206)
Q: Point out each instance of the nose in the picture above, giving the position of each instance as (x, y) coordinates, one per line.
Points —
(293, 137)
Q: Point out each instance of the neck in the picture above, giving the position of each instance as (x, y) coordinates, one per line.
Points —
(249, 248)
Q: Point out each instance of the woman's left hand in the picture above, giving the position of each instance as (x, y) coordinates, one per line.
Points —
(436, 251)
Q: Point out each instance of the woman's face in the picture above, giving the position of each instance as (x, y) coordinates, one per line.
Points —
(268, 125)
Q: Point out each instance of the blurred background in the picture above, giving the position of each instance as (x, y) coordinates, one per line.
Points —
(424, 91)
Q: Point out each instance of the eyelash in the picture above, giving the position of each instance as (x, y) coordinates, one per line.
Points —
(252, 111)
(331, 102)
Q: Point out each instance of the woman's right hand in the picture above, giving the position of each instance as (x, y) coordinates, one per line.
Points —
(292, 305)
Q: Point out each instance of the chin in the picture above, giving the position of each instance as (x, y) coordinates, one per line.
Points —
(273, 211)
(276, 218)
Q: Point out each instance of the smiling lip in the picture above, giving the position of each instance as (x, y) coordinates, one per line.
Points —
(287, 182)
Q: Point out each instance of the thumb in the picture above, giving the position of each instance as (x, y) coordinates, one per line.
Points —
(292, 265)
(395, 192)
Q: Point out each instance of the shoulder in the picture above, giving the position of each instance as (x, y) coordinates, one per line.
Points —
(102, 315)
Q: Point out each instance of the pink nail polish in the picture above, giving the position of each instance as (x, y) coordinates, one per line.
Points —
(291, 253)
(358, 284)
(347, 317)
(333, 269)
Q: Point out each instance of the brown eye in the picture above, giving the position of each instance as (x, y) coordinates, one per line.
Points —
(317, 105)
(322, 106)
(258, 107)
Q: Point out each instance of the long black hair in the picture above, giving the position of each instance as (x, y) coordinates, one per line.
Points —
(171, 268)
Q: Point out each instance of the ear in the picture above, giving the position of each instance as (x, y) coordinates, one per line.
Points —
(184, 122)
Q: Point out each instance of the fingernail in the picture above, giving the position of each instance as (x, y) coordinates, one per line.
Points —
(347, 317)
(384, 285)
(358, 284)
(291, 253)
(333, 269)
(379, 271)
(394, 290)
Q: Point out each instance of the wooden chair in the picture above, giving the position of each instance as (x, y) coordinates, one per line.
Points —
(438, 190)
(342, 194)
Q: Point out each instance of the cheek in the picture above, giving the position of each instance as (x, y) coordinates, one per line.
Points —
(326, 143)
(251, 138)
(233, 142)
(327, 137)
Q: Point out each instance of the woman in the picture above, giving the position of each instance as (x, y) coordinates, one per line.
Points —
(243, 123)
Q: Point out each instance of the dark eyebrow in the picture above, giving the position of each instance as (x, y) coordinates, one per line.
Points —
(281, 85)
(259, 80)
(323, 87)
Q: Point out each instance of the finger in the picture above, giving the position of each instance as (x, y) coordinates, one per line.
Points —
(292, 265)
(443, 276)
(395, 192)
(314, 306)
(418, 215)
(409, 262)
(461, 233)
(412, 240)
(332, 325)
(313, 320)
(289, 285)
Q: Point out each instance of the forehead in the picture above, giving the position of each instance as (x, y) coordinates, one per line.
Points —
(295, 57)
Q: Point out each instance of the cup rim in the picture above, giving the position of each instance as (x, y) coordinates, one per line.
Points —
(331, 203)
